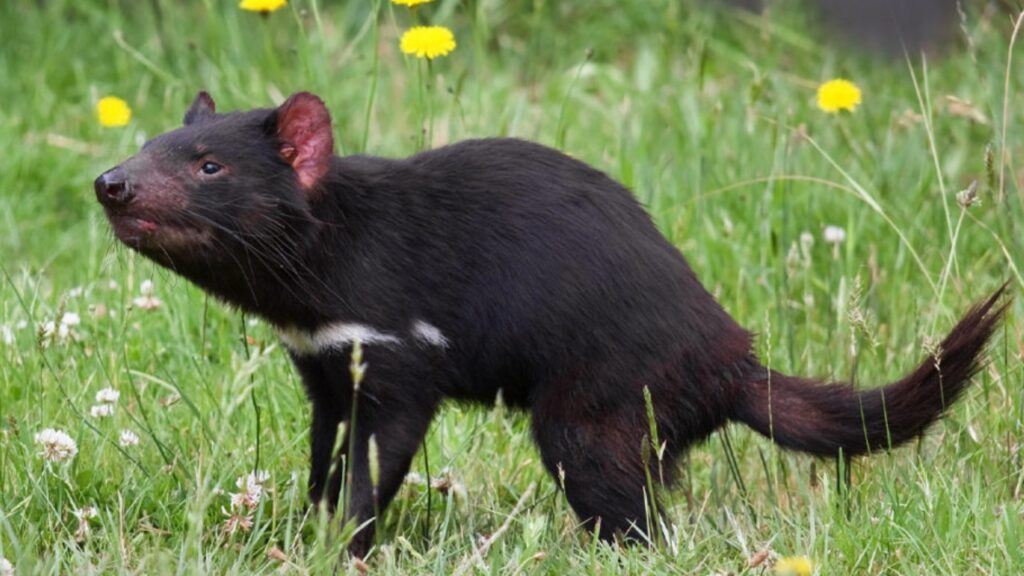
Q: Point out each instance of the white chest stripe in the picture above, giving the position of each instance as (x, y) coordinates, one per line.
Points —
(429, 334)
(342, 334)
(333, 337)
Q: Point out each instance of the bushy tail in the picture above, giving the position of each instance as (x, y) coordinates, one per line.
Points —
(807, 415)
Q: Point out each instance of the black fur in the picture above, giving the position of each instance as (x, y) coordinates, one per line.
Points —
(549, 281)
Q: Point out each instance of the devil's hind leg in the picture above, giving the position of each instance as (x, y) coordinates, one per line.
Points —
(596, 458)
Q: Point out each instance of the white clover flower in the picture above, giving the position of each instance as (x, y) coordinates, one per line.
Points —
(248, 499)
(76, 292)
(251, 488)
(84, 515)
(51, 332)
(258, 478)
(414, 479)
(62, 333)
(146, 300)
(102, 410)
(6, 568)
(834, 234)
(236, 522)
(128, 438)
(446, 482)
(56, 445)
(6, 334)
(108, 396)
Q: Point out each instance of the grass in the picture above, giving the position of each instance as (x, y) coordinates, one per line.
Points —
(708, 117)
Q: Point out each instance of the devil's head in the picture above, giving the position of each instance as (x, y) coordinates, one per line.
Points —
(228, 195)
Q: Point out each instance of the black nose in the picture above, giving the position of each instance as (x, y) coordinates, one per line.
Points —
(112, 188)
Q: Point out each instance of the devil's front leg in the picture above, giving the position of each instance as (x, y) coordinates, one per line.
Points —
(330, 398)
(323, 434)
(397, 428)
(394, 405)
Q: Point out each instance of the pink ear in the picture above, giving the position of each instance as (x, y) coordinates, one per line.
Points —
(304, 129)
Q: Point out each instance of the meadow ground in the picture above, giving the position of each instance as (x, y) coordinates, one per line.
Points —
(711, 120)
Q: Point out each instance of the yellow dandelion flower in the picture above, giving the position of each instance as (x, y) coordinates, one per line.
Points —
(264, 6)
(838, 94)
(112, 112)
(410, 3)
(428, 41)
(794, 566)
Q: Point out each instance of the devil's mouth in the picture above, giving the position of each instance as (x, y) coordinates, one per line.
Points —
(144, 232)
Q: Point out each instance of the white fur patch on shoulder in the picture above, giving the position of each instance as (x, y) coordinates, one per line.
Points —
(429, 334)
(345, 334)
(333, 337)
(300, 342)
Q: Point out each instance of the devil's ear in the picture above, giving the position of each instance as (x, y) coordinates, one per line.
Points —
(302, 126)
(202, 108)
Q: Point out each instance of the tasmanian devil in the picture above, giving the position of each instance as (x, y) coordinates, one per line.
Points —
(484, 266)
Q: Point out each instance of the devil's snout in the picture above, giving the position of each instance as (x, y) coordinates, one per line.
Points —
(113, 189)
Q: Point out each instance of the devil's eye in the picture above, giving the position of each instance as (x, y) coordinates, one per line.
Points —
(210, 168)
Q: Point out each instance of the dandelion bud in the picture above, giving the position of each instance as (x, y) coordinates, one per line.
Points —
(263, 7)
(427, 41)
(113, 112)
(794, 566)
(839, 94)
